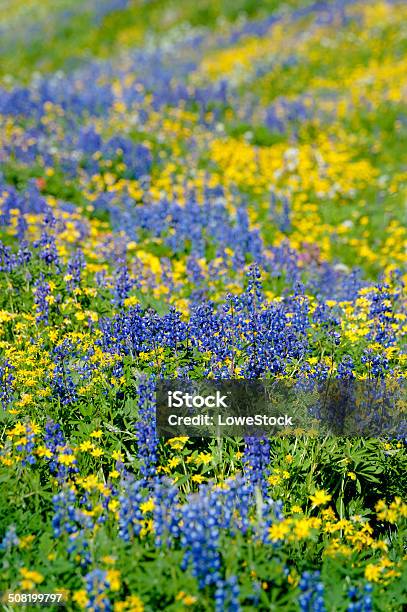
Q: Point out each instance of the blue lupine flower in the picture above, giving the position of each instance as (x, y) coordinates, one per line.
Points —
(6, 384)
(312, 593)
(10, 538)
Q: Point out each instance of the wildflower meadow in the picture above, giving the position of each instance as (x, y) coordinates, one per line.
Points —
(211, 190)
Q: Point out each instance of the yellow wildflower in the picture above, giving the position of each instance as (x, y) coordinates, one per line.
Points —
(320, 498)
